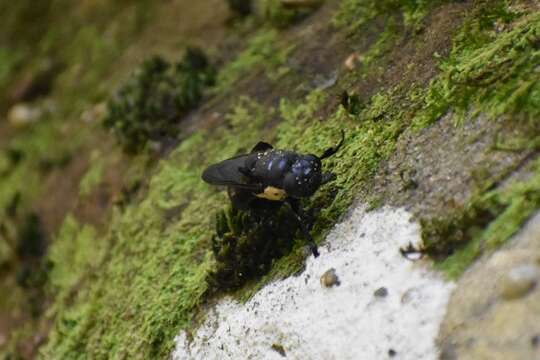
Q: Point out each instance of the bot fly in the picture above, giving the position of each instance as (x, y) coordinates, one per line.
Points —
(272, 175)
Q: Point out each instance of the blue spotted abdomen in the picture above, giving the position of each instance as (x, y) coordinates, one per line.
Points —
(273, 165)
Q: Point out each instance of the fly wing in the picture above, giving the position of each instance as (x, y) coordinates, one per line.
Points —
(227, 173)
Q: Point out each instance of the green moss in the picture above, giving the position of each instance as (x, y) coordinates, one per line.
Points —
(8, 62)
(25, 243)
(72, 254)
(93, 175)
(264, 52)
(385, 42)
(153, 100)
(29, 157)
(489, 70)
(354, 14)
(278, 15)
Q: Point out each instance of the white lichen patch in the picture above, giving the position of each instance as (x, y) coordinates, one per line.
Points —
(357, 319)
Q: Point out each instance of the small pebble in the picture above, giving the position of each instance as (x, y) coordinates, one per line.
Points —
(519, 281)
(392, 353)
(381, 292)
(330, 278)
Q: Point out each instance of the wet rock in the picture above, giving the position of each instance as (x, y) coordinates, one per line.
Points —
(24, 114)
(381, 292)
(519, 281)
(330, 278)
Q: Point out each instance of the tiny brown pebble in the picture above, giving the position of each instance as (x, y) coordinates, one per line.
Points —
(330, 278)
(392, 353)
(381, 292)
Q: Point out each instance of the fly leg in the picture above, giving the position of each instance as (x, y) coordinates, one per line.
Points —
(327, 177)
(331, 151)
(302, 220)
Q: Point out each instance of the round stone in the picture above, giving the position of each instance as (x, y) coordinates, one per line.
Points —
(519, 281)
(381, 292)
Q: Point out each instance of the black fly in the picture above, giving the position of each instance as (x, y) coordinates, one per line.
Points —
(271, 175)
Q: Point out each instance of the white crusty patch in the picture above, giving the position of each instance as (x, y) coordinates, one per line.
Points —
(343, 322)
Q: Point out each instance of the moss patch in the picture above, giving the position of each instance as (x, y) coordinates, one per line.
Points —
(263, 53)
(246, 243)
(491, 70)
(355, 14)
(149, 106)
(74, 251)
(93, 176)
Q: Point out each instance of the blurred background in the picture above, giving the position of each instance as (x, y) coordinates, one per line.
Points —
(110, 109)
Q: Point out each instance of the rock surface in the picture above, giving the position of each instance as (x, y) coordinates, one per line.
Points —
(494, 311)
(299, 319)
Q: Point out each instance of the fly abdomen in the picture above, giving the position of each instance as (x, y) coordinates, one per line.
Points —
(272, 166)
